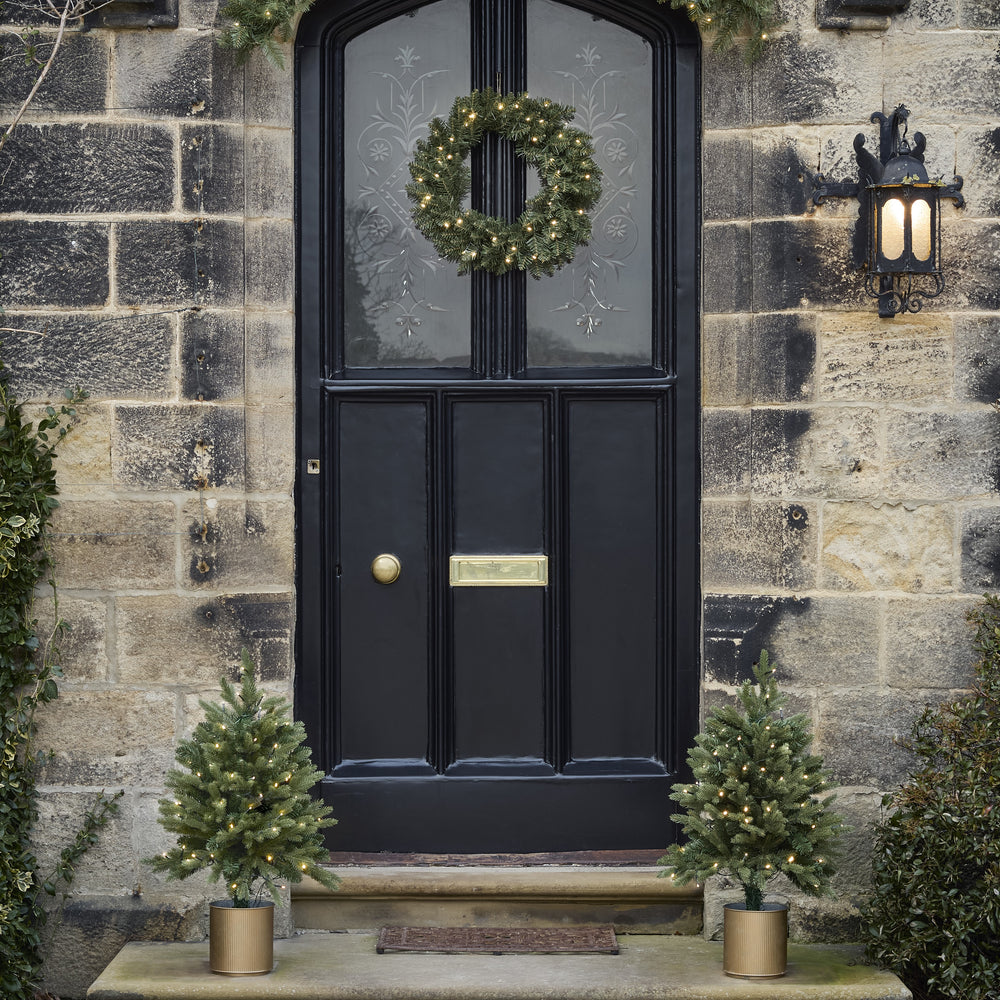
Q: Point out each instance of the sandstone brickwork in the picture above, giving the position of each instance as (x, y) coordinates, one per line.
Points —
(850, 465)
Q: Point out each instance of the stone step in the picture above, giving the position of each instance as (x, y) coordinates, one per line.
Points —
(331, 966)
(631, 898)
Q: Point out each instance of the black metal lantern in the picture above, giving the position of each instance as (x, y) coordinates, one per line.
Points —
(899, 225)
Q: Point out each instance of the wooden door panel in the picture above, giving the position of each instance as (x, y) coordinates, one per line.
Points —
(615, 561)
(383, 632)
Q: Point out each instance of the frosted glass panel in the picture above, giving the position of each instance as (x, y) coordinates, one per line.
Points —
(893, 223)
(597, 310)
(403, 306)
(921, 219)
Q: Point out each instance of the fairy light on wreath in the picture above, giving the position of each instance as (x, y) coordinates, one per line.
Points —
(554, 222)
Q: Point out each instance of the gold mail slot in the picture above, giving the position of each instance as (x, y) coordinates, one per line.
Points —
(499, 571)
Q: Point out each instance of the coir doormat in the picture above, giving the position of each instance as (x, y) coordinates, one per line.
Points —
(499, 940)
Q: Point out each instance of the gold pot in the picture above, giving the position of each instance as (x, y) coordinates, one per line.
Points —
(240, 938)
(755, 942)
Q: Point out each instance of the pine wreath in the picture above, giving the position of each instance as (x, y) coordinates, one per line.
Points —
(554, 222)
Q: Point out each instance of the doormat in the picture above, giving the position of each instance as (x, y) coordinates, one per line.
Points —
(499, 940)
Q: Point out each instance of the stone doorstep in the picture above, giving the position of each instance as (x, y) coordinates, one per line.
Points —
(330, 966)
(631, 898)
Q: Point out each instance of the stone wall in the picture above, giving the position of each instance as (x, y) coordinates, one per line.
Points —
(851, 465)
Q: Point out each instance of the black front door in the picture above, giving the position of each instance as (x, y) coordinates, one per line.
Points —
(498, 491)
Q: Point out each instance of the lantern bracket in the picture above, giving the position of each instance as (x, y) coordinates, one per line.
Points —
(896, 155)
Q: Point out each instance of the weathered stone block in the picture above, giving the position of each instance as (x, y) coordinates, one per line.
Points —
(192, 641)
(270, 358)
(725, 449)
(269, 94)
(822, 452)
(88, 168)
(865, 358)
(966, 59)
(979, 14)
(928, 644)
(199, 13)
(736, 629)
(231, 544)
(725, 360)
(813, 77)
(781, 173)
(212, 352)
(53, 264)
(726, 89)
(977, 359)
(981, 549)
(270, 173)
(196, 263)
(971, 262)
(727, 268)
(885, 546)
(932, 13)
(758, 544)
(176, 74)
(82, 643)
(726, 163)
(803, 263)
(83, 459)
(109, 356)
(178, 447)
(783, 357)
(76, 84)
(857, 734)
(937, 456)
(270, 263)
(115, 544)
(92, 929)
(109, 866)
(978, 155)
(271, 458)
(212, 163)
(108, 737)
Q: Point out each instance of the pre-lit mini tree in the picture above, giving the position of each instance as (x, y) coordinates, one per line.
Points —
(755, 809)
(241, 807)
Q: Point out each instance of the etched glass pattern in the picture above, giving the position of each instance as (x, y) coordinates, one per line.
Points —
(597, 310)
(403, 306)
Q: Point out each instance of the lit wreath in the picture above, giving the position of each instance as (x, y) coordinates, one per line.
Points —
(554, 222)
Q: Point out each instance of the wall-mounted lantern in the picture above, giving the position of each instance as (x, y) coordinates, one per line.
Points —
(898, 235)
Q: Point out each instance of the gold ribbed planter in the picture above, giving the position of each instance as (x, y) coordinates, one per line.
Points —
(240, 938)
(755, 942)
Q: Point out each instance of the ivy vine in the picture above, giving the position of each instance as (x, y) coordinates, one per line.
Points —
(29, 668)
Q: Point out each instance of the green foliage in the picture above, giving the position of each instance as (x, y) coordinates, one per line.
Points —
(554, 222)
(754, 810)
(934, 917)
(260, 24)
(729, 21)
(241, 808)
(28, 672)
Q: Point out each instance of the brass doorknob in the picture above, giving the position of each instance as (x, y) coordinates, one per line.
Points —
(386, 568)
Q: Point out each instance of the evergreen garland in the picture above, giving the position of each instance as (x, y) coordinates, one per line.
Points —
(260, 24)
(726, 20)
(754, 811)
(554, 222)
(241, 807)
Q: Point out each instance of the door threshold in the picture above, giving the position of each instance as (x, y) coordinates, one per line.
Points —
(619, 859)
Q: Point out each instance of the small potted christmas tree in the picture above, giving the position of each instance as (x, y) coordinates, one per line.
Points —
(754, 811)
(242, 811)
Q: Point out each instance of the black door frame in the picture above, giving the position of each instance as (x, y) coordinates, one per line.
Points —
(676, 253)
